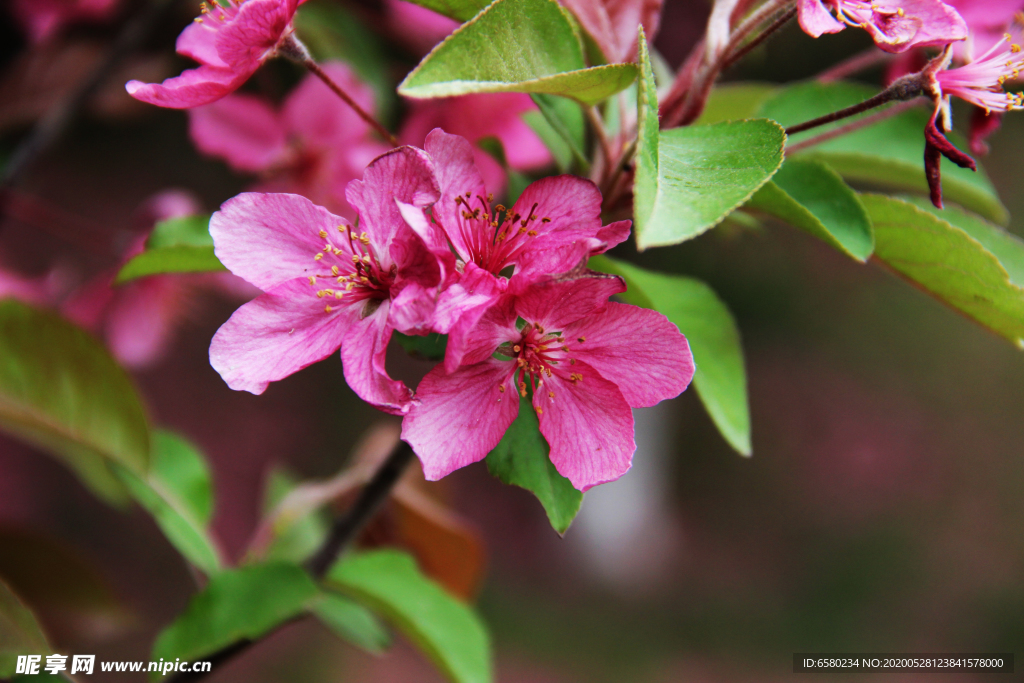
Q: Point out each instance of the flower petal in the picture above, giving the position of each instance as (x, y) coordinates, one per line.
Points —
(317, 115)
(556, 303)
(244, 130)
(460, 417)
(480, 319)
(268, 239)
(637, 349)
(363, 349)
(405, 174)
(193, 88)
(199, 42)
(275, 335)
(815, 19)
(457, 174)
(588, 425)
(251, 36)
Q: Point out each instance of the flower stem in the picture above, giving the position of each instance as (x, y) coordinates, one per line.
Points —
(343, 531)
(742, 52)
(851, 127)
(905, 88)
(292, 48)
(602, 138)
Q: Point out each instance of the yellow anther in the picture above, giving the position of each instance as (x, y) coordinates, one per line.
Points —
(540, 411)
(327, 309)
(581, 339)
(342, 227)
(572, 361)
(517, 348)
(338, 294)
(334, 270)
(545, 220)
(337, 252)
(323, 234)
(501, 388)
(551, 394)
(312, 280)
(318, 257)
(532, 233)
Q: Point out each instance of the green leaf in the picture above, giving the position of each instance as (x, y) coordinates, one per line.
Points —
(429, 347)
(178, 493)
(515, 46)
(811, 196)
(521, 459)
(949, 263)
(460, 10)
(239, 603)
(295, 539)
(178, 245)
(20, 633)
(890, 152)
(733, 101)
(720, 379)
(689, 179)
(1005, 246)
(565, 119)
(62, 391)
(445, 629)
(351, 622)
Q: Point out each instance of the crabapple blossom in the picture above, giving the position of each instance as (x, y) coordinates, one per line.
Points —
(230, 40)
(313, 145)
(584, 360)
(326, 284)
(987, 21)
(894, 25)
(553, 226)
(44, 18)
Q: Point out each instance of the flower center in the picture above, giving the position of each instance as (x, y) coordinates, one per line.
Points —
(353, 266)
(494, 237)
(217, 11)
(537, 354)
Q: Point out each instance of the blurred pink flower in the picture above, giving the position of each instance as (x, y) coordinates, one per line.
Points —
(420, 28)
(44, 18)
(587, 363)
(27, 290)
(327, 286)
(553, 226)
(894, 25)
(613, 24)
(987, 20)
(230, 41)
(474, 117)
(313, 145)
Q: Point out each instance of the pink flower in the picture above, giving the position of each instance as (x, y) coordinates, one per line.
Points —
(586, 361)
(420, 28)
(230, 41)
(987, 21)
(474, 117)
(553, 226)
(43, 18)
(326, 284)
(313, 145)
(894, 25)
(613, 24)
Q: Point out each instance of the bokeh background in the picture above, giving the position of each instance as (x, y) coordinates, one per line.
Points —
(881, 510)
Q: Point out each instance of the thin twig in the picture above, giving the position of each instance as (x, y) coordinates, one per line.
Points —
(602, 139)
(905, 88)
(851, 127)
(295, 50)
(742, 52)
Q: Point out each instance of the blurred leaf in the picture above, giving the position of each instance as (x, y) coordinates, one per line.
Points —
(521, 459)
(178, 493)
(66, 590)
(331, 31)
(689, 179)
(721, 378)
(178, 245)
(20, 633)
(948, 263)
(733, 101)
(61, 391)
(1005, 246)
(515, 46)
(565, 119)
(460, 10)
(809, 195)
(295, 537)
(447, 630)
(351, 622)
(890, 152)
(238, 603)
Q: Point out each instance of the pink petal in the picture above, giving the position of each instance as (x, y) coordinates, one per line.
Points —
(315, 114)
(637, 349)
(251, 37)
(276, 335)
(457, 174)
(460, 417)
(588, 426)
(418, 26)
(193, 88)
(363, 350)
(559, 302)
(815, 19)
(242, 129)
(404, 174)
(483, 319)
(268, 239)
(141, 317)
(199, 42)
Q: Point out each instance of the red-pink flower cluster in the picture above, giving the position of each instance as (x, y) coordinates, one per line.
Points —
(431, 252)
